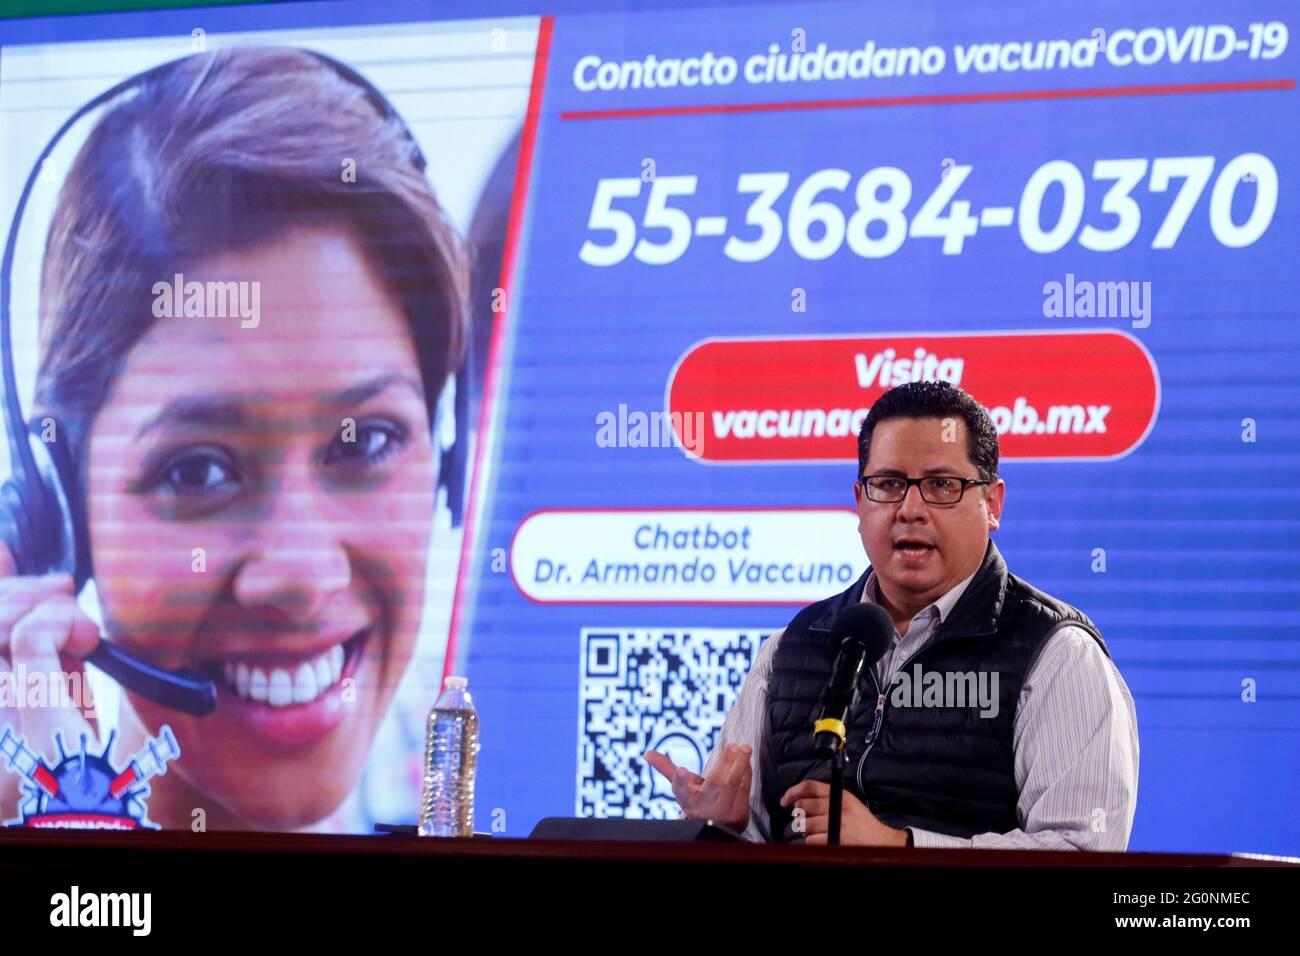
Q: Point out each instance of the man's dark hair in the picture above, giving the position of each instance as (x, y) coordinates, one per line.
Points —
(935, 400)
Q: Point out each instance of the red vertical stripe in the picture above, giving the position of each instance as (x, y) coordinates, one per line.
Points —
(514, 228)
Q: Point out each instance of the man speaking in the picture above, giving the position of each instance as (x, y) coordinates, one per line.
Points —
(1042, 754)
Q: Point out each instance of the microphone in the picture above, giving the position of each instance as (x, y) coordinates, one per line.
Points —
(864, 633)
(182, 689)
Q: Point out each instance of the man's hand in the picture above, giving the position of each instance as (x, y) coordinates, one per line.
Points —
(858, 825)
(722, 796)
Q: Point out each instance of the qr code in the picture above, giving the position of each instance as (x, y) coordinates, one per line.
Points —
(665, 690)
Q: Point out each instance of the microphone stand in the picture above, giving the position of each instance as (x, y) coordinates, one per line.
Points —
(864, 632)
(837, 796)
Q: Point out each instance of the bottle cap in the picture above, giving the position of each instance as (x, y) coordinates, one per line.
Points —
(457, 683)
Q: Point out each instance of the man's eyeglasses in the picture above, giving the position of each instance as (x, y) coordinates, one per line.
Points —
(936, 489)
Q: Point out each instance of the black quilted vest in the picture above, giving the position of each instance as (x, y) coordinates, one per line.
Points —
(940, 768)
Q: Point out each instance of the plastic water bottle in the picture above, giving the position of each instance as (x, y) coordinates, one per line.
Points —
(450, 761)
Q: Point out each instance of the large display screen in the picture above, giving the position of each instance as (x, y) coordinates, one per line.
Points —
(367, 348)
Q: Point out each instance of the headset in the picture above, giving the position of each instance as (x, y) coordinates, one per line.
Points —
(44, 525)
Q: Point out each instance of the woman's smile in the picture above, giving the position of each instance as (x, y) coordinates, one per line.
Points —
(288, 699)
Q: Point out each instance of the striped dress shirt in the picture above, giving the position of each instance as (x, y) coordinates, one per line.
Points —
(1074, 736)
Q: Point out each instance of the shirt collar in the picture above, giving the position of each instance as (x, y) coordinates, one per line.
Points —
(942, 605)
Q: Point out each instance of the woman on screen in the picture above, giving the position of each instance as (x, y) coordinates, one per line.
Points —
(251, 301)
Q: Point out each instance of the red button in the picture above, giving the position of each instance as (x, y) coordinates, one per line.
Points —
(1056, 395)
